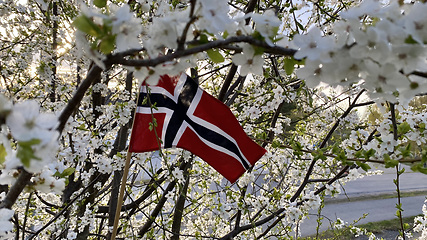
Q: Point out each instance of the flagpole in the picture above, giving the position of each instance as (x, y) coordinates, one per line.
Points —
(124, 178)
(121, 195)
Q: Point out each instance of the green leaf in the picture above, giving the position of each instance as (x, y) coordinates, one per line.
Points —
(403, 128)
(203, 39)
(289, 65)
(422, 127)
(422, 169)
(419, 167)
(318, 155)
(107, 44)
(297, 147)
(369, 153)
(388, 162)
(410, 40)
(341, 156)
(424, 156)
(2, 153)
(29, 143)
(87, 26)
(406, 226)
(68, 171)
(336, 149)
(258, 50)
(364, 166)
(215, 56)
(406, 151)
(225, 34)
(300, 25)
(275, 144)
(25, 152)
(100, 3)
(82, 127)
(257, 36)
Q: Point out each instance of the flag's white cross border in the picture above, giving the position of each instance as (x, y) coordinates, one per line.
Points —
(190, 113)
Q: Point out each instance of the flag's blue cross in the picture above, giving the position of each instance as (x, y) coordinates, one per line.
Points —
(179, 116)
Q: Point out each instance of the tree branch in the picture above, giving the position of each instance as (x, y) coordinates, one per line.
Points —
(179, 207)
(74, 102)
(144, 229)
(119, 59)
(322, 145)
(16, 189)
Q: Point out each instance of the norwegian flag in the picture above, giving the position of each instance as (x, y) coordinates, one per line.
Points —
(187, 117)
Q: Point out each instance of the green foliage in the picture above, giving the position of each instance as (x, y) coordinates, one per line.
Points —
(422, 127)
(2, 153)
(289, 64)
(107, 44)
(410, 40)
(363, 165)
(388, 162)
(104, 39)
(100, 3)
(25, 151)
(403, 128)
(152, 125)
(65, 174)
(405, 151)
(215, 56)
(419, 167)
(318, 155)
(87, 26)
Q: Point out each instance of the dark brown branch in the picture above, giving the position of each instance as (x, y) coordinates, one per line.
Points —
(96, 101)
(181, 40)
(179, 207)
(393, 121)
(63, 210)
(364, 104)
(16, 189)
(276, 115)
(51, 205)
(74, 102)
(52, 94)
(401, 160)
(398, 173)
(236, 231)
(150, 189)
(322, 145)
(332, 180)
(419, 74)
(227, 83)
(214, 44)
(144, 229)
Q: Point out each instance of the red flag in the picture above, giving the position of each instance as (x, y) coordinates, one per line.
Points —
(187, 117)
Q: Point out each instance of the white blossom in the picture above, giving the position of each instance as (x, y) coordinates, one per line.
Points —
(5, 223)
(248, 61)
(313, 45)
(127, 28)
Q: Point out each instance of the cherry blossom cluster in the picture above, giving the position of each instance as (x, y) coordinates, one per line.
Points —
(28, 140)
(364, 50)
(34, 135)
(5, 225)
(421, 222)
(207, 16)
(380, 47)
